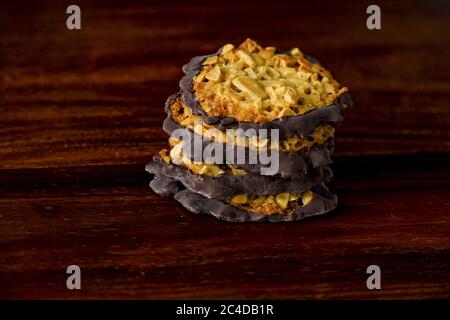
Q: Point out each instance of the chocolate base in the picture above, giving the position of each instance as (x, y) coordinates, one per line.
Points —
(288, 126)
(226, 186)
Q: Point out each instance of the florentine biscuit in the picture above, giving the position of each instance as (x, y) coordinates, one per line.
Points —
(229, 185)
(263, 88)
(290, 164)
(319, 200)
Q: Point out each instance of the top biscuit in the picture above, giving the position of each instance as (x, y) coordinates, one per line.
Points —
(255, 84)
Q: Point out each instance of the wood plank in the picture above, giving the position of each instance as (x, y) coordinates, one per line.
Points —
(131, 243)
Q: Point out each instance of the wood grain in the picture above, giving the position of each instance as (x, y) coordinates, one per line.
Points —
(81, 114)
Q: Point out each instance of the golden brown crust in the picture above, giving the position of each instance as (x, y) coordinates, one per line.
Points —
(256, 84)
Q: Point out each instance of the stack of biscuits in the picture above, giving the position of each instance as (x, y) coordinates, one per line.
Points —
(263, 120)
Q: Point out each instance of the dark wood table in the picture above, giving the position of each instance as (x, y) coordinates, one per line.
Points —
(81, 114)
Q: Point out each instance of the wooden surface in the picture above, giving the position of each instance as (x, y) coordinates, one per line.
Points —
(81, 114)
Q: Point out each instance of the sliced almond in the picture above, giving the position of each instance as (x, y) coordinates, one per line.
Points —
(213, 74)
(249, 45)
(269, 200)
(226, 48)
(211, 170)
(288, 71)
(282, 200)
(250, 86)
(259, 61)
(307, 197)
(258, 201)
(296, 52)
(293, 197)
(251, 73)
(274, 74)
(237, 172)
(239, 199)
(267, 53)
(246, 58)
(210, 61)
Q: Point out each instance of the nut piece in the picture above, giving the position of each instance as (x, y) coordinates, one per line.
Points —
(239, 199)
(210, 60)
(210, 170)
(296, 52)
(237, 172)
(259, 200)
(250, 86)
(246, 58)
(249, 45)
(307, 197)
(227, 48)
(163, 154)
(282, 200)
(269, 200)
(213, 74)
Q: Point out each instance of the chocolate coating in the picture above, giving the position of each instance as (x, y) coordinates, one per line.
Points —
(226, 186)
(164, 185)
